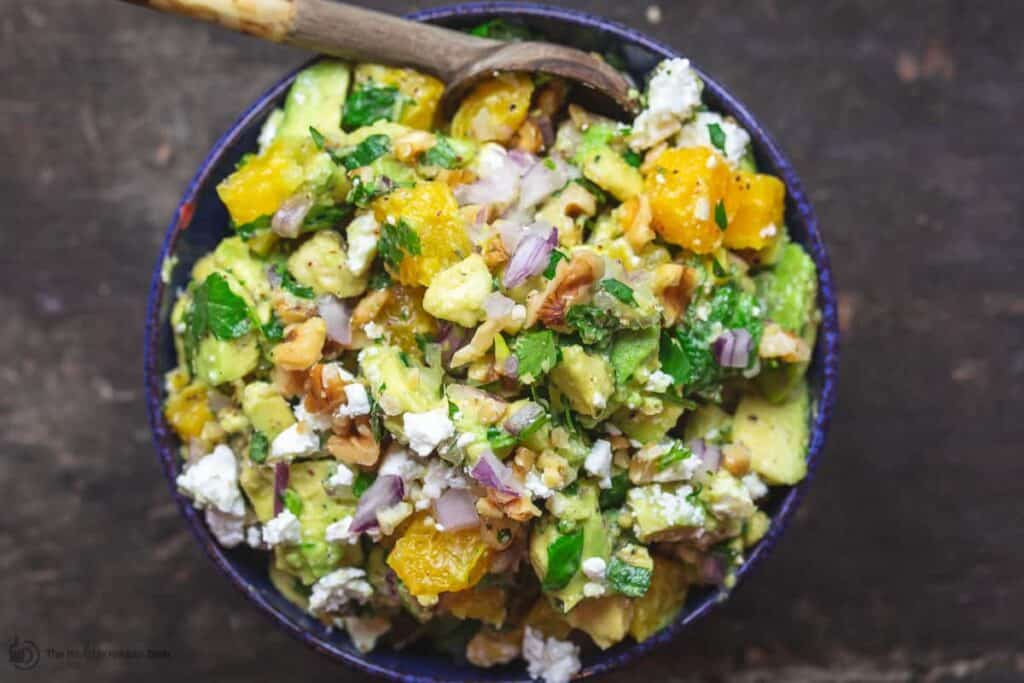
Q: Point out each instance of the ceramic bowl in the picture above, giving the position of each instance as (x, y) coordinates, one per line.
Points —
(201, 221)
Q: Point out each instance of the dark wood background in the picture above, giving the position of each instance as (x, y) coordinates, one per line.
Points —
(905, 562)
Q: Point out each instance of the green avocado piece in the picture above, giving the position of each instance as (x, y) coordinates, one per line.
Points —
(777, 435)
(630, 350)
(605, 167)
(289, 586)
(321, 263)
(648, 428)
(232, 256)
(708, 422)
(316, 99)
(218, 361)
(399, 382)
(585, 379)
(266, 409)
(790, 289)
(666, 512)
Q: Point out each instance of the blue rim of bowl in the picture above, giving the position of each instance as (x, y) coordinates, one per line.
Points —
(827, 353)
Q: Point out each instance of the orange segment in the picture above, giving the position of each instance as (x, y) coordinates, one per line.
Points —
(685, 186)
(757, 201)
(495, 109)
(423, 92)
(262, 184)
(430, 562)
(484, 603)
(187, 411)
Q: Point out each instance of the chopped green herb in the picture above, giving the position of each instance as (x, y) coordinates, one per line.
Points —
(215, 310)
(537, 354)
(441, 154)
(370, 102)
(453, 410)
(630, 350)
(404, 357)
(247, 230)
(325, 217)
(379, 280)
(362, 482)
(376, 418)
(273, 330)
(289, 284)
(318, 137)
(564, 557)
(398, 240)
(367, 151)
(259, 445)
(553, 260)
(721, 220)
(717, 136)
(615, 496)
(499, 29)
(593, 324)
(677, 453)
(717, 268)
(292, 502)
(633, 158)
(550, 164)
(500, 440)
(361, 193)
(619, 290)
(534, 426)
(601, 196)
(628, 579)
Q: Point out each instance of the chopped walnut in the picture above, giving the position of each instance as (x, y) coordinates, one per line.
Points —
(570, 285)
(636, 222)
(291, 310)
(369, 306)
(456, 176)
(674, 285)
(528, 138)
(289, 383)
(359, 447)
(736, 459)
(412, 144)
(303, 343)
(325, 390)
(778, 343)
(495, 254)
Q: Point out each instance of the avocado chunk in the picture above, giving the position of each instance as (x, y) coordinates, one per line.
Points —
(662, 601)
(648, 428)
(631, 349)
(606, 619)
(233, 256)
(399, 383)
(266, 409)
(458, 292)
(776, 434)
(321, 263)
(605, 167)
(666, 512)
(218, 361)
(290, 587)
(316, 99)
(708, 422)
(585, 379)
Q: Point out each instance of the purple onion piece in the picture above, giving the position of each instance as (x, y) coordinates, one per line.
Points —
(273, 277)
(493, 474)
(387, 490)
(337, 316)
(732, 348)
(287, 220)
(709, 454)
(523, 418)
(281, 475)
(498, 306)
(510, 368)
(451, 338)
(456, 510)
(531, 257)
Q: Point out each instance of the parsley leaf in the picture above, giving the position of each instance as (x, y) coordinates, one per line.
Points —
(593, 324)
(717, 136)
(362, 482)
(553, 260)
(247, 230)
(376, 418)
(363, 193)
(500, 440)
(721, 220)
(325, 217)
(633, 158)
(292, 501)
(537, 354)
(289, 284)
(273, 330)
(370, 102)
(628, 579)
(677, 453)
(619, 290)
(218, 310)
(616, 495)
(398, 240)
(379, 280)
(441, 154)
(258, 447)
(366, 152)
(318, 137)
(564, 557)
(630, 349)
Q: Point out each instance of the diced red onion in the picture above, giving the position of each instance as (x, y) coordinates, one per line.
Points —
(523, 161)
(513, 232)
(711, 455)
(337, 316)
(732, 348)
(273, 277)
(492, 473)
(498, 182)
(287, 220)
(451, 338)
(498, 306)
(281, 476)
(530, 258)
(387, 490)
(456, 510)
(523, 418)
(541, 182)
(510, 368)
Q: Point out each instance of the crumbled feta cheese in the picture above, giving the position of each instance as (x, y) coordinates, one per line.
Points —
(298, 440)
(373, 330)
(319, 422)
(594, 568)
(426, 430)
(340, 479)
(358, 403)
(254, 537)
(338, 532)
(599, 462)
(650, 128)
(658, 382)
(338, 588)
(769, 231)
(755, 486)
(228, 529)
(592, 589)
(398, 461)
(536, 486)
(672, 507)
(465, 439)
(362, 242)
(672, 96)
(552, 660)
(333, 372)
(364, 631)
(438, 478)
(285, 528)
(213, 482)
(697, 134)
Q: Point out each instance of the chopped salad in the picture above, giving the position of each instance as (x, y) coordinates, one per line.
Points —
(503, 383)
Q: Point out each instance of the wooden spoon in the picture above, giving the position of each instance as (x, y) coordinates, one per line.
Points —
(459, 59)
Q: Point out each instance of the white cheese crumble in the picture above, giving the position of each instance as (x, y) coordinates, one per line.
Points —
(658, 382)
(593, 589)
(551, 660)
(298, 440)
(285, 528)
(698, 134)
(673, 94)
(254, 537)
(362, 242)
(398, 462)
(364, 631)
(536, 486)
(594, 568)
(338, 588)
(340, 479)
(338, 532)
(373, 330)
(438, 478)
(213, 482)
(228, 529)
(426, 430)
(599, 462)
(755, 486)
(358, 403)
(319, 422)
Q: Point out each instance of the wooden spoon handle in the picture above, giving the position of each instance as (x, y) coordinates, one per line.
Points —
(340, 30)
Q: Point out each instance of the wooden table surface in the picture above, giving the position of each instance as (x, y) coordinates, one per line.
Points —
(906, 562)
